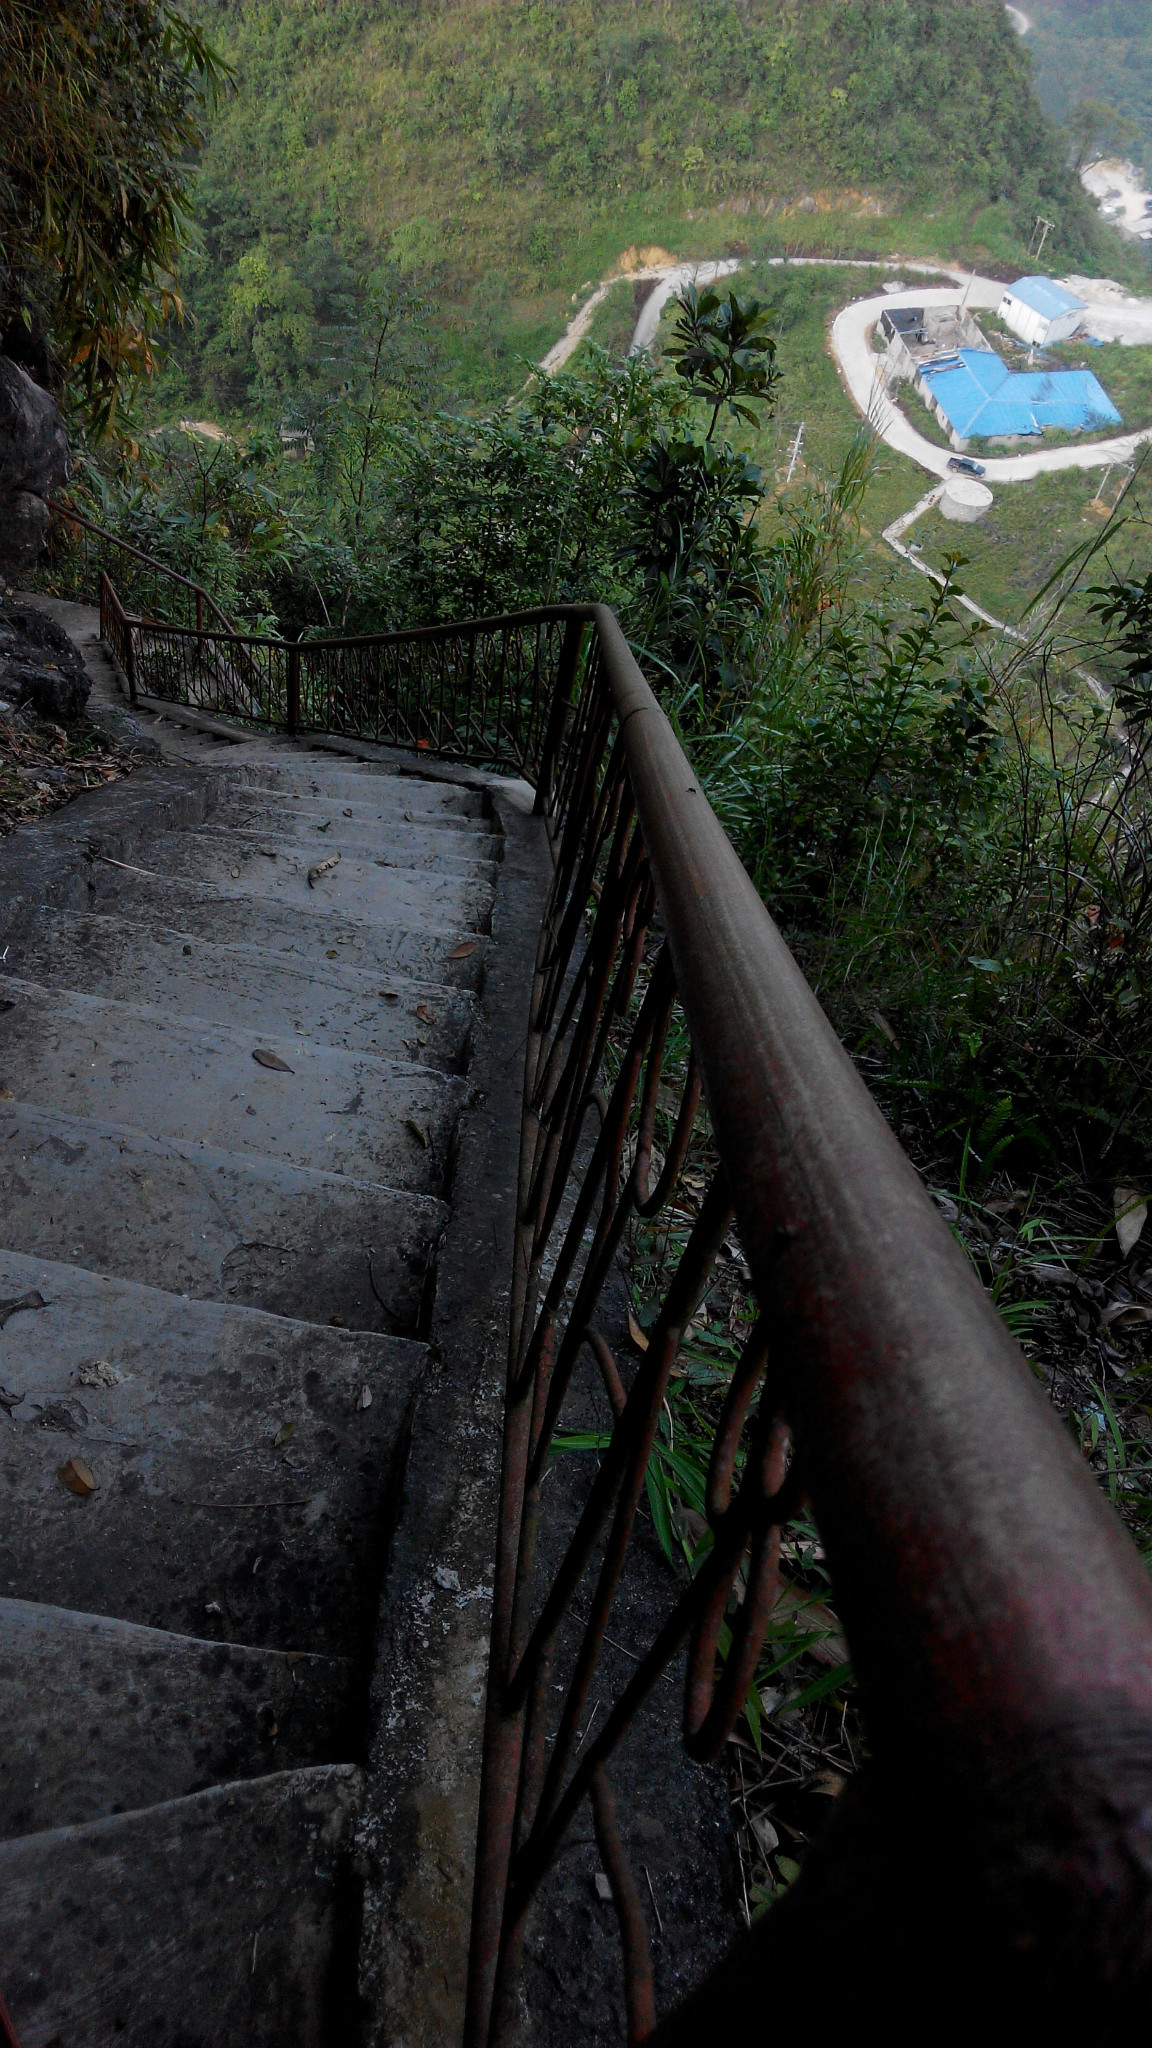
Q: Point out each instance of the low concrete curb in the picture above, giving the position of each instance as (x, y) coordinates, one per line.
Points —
(428, 1704)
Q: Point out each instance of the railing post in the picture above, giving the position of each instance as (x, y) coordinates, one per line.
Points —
(293, 718)
(566, 673)
(130, 660)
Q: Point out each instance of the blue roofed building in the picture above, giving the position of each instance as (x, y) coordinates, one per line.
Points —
(975, 396)
(1041, 311)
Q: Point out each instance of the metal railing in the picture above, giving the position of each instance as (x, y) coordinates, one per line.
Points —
(999, 1619)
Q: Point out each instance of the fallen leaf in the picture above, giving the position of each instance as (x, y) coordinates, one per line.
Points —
(766, 1837)
(638, 1336)
(425, 1015)
(331, 954)
(18, 1302)
(877, 1018)
(324, 827)
(812, 1617)
(390, 995)
(462, 952)
(77, 1477)
(6, 1094)
(264, 1058)
(282, 1435)
(1125, 1314)
(1131, 1213)
(411, 1125)
(235, 874)
(322, 868)
(347, 814)
(365, 1399)
(830, 1783)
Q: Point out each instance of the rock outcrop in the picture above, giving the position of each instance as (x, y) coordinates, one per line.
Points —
(33, 461)
(40, 669)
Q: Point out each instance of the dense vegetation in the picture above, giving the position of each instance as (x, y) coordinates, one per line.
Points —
(102, 104)
(1099, 50)
(503, 153)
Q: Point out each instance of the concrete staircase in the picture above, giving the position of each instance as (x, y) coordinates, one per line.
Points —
(233, 1061)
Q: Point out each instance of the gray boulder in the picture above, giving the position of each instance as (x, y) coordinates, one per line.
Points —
(33, 462)
(40, 669)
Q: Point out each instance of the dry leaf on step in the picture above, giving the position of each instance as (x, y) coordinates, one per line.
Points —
(1131, 1211)
(77, 1477)
(264, 1058)
(425, 1015)
(410, 1124)
(321, 868)
(462, 952)
(286, 1430)
(639, 1337)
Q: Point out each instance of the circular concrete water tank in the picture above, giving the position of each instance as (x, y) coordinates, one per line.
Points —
(965, 498)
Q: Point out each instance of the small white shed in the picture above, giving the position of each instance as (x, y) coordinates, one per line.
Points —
(1040, 311)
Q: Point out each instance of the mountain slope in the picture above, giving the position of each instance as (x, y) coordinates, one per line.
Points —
(504, 151)
(1094, 49)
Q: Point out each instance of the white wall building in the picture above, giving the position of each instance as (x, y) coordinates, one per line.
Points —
(1041, 311)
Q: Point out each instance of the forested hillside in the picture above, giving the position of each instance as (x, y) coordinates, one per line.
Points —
(504, 151)
(1095, 49)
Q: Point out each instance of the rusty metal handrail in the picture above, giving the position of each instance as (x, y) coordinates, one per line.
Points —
(203, 599)
(999, 1619)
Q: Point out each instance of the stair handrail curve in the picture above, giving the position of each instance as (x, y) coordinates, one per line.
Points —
(205, 603)
(998, 1616)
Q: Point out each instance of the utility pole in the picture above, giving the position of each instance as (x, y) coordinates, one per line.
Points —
(797, 444)
(1048, 227)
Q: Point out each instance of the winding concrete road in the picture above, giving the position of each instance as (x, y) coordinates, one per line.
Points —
(1111, 316)
(862, 371)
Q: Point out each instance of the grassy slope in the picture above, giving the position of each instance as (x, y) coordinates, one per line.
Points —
(507, 151)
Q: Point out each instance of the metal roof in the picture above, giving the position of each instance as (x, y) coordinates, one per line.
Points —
(980, 395)
(1045, 296)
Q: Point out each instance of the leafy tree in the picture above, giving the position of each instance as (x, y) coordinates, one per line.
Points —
(103, 103)
(1094, 126)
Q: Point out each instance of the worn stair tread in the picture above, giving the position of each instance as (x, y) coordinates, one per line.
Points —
(243, 1489)
(338, 1005)
(102, 1716)
(331, 775)
(213, 1224)
(356, 886)
(201, 1922)
(422, 848)
(316, 931)
(376, 1119)
(334, 821)
(384, 807)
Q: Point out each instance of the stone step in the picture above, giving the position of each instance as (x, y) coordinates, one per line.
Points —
(205, 1921)
(325, 776)
(101, 1716)
(218, 1226)
(243, 808)
(245, 1469)
(334, 1004)
(358, 886)
(422, 848)
(343, 1112)
(316, 932)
